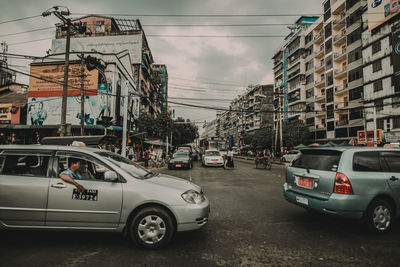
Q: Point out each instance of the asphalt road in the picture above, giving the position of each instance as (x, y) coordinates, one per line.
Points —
(250, 225)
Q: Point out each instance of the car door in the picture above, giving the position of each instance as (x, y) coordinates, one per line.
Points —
(391, 165)
(24, 182)
(98, 207)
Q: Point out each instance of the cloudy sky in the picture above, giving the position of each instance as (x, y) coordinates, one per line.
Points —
(214, 70)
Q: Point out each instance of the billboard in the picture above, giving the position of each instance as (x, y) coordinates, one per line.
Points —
(104, 44)
(10, 113)
(51, 77)
(47, 110)
(370, 136)
(380, 11)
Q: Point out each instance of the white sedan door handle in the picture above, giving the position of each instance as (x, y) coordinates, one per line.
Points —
(59, 185)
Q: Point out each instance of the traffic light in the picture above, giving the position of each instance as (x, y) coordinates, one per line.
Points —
(92, 63)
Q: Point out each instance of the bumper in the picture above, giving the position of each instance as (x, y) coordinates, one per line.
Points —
(192, 216)
(182, 165)
(211, 164)
(346, 206)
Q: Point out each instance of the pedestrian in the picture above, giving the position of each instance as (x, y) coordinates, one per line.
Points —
(14, 139)
(146, 157)
(163, 157)
(37, 138)
(230, 158)
(3, 139)
(130, 153)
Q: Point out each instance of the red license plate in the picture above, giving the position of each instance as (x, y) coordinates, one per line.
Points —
(305, 182)
(215, 162)
(178, 165)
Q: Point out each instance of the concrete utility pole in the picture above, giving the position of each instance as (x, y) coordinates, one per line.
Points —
(82, 95)
(125, 122)
(70, 28)
(375, 130)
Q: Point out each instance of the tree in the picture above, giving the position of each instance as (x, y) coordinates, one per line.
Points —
(184, 132)
(295, 133)
(261, 137)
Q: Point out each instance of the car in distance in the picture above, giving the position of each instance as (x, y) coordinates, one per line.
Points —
(180, 160)
(290, 156)
(358, 183)
(212, 158)
(119, 195)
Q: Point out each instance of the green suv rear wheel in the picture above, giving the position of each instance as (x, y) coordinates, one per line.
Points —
(379, 216)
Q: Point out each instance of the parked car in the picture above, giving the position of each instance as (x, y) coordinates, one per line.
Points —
(290, 156)
(212, 158)
(180, 160)
(185, 148)
(119, 195)
(359, 183)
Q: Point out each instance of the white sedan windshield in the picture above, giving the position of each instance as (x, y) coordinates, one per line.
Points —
(212, 153)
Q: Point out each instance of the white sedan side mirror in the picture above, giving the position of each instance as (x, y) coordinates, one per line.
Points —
(110, 176)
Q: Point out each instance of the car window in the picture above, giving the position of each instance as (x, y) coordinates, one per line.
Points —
(180, 155)
(324, 160)
(366, 161)
(24, 164)
(391, 161)
(212, 153)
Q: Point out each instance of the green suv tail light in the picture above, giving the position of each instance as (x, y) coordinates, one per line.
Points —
(342, 185)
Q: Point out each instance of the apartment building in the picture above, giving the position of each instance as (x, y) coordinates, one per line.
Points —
(247, 113)
(289, 74)
(381, 62)
(333, 72)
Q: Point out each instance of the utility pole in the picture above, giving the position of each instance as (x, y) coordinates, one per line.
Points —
(125, 122)
(70, 28)
(280, 130)
(375, 134)
(82, 95)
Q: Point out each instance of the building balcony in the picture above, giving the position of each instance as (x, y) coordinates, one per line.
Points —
(340, 89)
(320, 53)
(320, 114)
(341, 72)
(340, 38)
(320, 126)
(340, 56)
(339, 22)
(320, 83)
(341, 122)
(319, 98)
(319, 38)
(320, 68)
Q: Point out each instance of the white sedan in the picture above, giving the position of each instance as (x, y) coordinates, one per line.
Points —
(212, 158)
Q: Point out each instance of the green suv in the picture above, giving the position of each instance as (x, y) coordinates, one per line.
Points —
(356, 182)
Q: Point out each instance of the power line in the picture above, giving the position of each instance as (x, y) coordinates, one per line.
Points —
(31, 41)
(25, 18)
(29, 31)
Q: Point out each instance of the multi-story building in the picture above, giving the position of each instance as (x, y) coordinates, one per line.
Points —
(160, 80)
(333, 71)
(381, 89)
(250, 111)
(289, 73)
(107, 34)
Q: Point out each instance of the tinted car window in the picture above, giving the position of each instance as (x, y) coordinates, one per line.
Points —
(391, 161)
(24, 165)
(366, 162)
(324, 160)
(180, 155)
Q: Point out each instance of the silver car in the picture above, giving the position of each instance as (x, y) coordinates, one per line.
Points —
(119, 196)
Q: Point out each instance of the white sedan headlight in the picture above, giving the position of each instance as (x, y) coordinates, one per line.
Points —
(193, 197)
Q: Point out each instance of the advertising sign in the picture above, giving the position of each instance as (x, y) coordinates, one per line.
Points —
(396, 56)
(370, 136)
(379, 11)
(10, 113)
(51, 78)
(105, 44)
(47, 110)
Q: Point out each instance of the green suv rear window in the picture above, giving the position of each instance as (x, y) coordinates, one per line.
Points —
(318, 159)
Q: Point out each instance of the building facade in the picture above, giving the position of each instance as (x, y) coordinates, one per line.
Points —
(160, 80)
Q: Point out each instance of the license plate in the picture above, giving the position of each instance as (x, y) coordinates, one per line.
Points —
(178, 165)
(302, 200)
(88, 194)
(305, 182)
(215, 162)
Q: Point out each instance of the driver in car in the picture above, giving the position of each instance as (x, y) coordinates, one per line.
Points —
(72, 174)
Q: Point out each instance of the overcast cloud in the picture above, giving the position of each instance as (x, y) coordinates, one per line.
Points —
(198, 67)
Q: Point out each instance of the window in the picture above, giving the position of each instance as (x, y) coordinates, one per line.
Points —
(328, 29)
(377, 66)
(310, 93)
(366, 162)
(355, 93)
(330, 126)
(380, 123)
(376, 47)
(329, 95)
(310, 122)
(396, 122)
(310, 79)
(354, 55)
(329, 62)
(329, 78)
(354, 36)
(350, 3)
(329, 112)
(378, 86)
(391, 161)
(328, 46)
(91, 169)
(356, 113)
(395, 101)
(324, 160)
(24, 164)
(379, 105)
(100, 27)
(355, 74)
(309, 37)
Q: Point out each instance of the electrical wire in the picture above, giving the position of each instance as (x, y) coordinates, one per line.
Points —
(19, 19)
